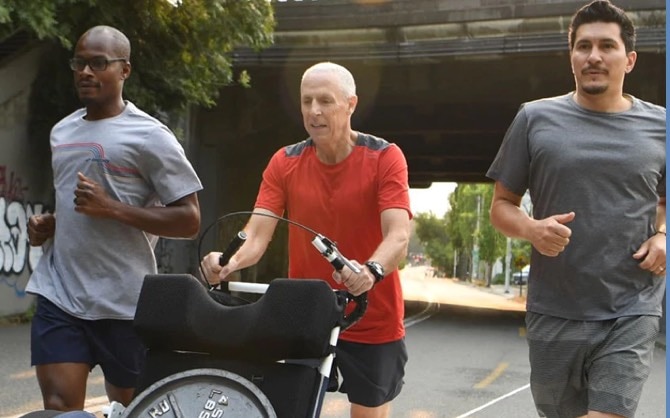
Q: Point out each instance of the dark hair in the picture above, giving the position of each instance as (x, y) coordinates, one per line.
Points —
(603, 11)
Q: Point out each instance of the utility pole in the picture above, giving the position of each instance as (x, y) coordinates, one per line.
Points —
(455, 262)
(475, 242)
(508, 263)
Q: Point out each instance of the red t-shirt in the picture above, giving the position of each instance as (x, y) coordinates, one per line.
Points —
(343, 202)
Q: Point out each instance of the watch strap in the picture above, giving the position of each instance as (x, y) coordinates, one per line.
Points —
(376, 269)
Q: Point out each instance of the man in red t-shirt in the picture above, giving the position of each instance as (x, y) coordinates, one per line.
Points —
(353, 188)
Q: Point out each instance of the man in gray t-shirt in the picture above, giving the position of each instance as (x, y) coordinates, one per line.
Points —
(593, 162)
(121, 180)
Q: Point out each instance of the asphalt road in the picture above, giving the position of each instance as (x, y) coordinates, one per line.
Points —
(468, 358)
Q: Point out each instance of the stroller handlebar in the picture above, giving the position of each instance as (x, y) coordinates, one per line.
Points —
(328, 249)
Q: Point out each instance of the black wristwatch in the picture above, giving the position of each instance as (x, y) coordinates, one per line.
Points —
(376, 269)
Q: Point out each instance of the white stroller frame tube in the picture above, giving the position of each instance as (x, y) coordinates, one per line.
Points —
(259, 288)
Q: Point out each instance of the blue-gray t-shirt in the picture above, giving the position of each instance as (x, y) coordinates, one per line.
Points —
(94, 267)
(609, 168)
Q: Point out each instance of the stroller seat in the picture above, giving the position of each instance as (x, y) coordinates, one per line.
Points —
(185, 329)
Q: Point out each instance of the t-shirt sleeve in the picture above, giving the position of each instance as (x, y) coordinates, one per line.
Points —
(393, 180)
(165, 165)
(272, 192)
(511, 165)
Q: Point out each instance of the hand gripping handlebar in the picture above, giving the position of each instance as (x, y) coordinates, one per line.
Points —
(224, 258)
(326, 248)
(329, 251)
(232, 248)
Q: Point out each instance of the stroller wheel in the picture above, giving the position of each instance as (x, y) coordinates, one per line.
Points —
(203, 393)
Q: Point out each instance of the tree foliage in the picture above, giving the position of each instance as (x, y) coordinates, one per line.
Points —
(469, 221)
(459, 228)
(433, 236)
(180, 55)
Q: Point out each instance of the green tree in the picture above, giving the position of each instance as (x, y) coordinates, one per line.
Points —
(468, 219)
(432, 233)
(180, 55)
(492, 244)
(454, 235)
(520, 254)
(415, 246)
(521, 249)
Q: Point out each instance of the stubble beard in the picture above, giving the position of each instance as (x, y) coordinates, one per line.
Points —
(595, 89)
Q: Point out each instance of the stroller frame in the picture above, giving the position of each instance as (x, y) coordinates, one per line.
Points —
(275, 354)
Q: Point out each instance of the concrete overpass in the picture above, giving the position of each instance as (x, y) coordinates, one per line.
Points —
(441, 78)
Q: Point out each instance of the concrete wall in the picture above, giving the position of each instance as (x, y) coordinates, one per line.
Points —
(345, 14)
(25, 186)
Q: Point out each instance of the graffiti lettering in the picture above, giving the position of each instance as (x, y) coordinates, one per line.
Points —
(15, 252)
(11, 188)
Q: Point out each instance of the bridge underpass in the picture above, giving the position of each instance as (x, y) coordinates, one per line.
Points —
(442, 79)
(443, 82)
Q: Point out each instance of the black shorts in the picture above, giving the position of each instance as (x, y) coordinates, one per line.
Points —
(58, 337)
(372, 374)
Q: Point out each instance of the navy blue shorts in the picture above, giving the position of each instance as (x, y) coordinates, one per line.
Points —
(57, 337)
(372, 374)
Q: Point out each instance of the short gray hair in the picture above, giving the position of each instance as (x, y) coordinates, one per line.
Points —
(347, 82)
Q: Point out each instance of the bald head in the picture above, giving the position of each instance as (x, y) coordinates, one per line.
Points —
(117, 43)
(345, 79)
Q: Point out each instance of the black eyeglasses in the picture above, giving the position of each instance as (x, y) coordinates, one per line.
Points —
(95, 63)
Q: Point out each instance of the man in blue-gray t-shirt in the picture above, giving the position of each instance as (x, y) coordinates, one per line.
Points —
(593, 162)
(121, 180)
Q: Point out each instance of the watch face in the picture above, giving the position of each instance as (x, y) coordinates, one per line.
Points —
(376, 269)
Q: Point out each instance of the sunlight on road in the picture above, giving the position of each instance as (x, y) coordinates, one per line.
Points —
(422, 414)
(418, 285)
(336, 405)
(23, 375)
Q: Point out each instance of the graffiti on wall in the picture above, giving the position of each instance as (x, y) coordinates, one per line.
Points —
(11, 186)
(16, 255)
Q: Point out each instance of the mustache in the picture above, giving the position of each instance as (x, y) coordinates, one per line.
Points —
(88, 83)
(591, 68)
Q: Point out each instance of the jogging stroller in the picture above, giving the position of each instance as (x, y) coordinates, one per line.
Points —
(269, 358)
(210, 355)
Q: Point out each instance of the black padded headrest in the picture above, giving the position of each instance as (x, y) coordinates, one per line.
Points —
(292, 320)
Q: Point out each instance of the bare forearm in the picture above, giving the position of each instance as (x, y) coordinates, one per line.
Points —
(259, 232)
(510, 220)
(549, 236)
(391, 252)
(173, 221)
(396, 231)
(250, 253)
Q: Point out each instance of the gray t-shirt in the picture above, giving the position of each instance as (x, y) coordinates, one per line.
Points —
(94, 267)
(609, 168)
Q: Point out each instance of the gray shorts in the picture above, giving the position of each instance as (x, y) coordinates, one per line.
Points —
(581, 366)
